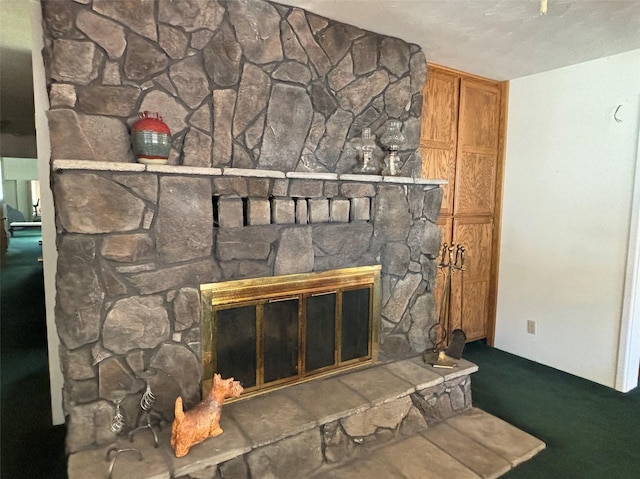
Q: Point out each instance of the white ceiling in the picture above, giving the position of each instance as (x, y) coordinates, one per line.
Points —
(499, 39)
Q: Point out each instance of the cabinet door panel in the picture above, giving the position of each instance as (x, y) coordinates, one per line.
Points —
(475, 184)
(475, 234)
(468, 305)
(475, 310)
(478, 128)
(477, 152)
(441, 164)
(472, 308)
(470, 288)
(439, 131)
(440, 123)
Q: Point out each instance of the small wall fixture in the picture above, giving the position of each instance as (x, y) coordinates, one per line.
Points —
(615, 114)
(543, 7)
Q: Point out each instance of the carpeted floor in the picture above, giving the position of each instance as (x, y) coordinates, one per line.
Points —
(591, 431)
(29, 446)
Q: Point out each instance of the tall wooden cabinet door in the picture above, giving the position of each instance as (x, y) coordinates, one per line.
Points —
(470, 288)
(439, 131)
(478, 137)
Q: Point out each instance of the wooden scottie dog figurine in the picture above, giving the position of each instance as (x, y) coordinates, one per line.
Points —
(203, 421)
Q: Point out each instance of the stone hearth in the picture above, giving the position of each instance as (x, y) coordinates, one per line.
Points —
(304, 429)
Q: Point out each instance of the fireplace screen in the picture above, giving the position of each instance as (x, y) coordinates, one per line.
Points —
(270, 332)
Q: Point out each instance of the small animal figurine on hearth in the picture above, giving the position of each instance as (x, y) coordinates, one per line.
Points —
(203, 421)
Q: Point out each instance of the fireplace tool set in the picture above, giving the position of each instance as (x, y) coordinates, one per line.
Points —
(147, 418)
(452, 258)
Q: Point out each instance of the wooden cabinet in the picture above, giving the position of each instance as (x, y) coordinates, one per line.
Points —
(439, 134)
(462, 141)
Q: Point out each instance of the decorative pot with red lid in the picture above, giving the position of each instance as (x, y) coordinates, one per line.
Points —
(151, 139)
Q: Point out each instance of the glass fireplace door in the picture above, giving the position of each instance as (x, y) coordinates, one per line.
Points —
(269, 332)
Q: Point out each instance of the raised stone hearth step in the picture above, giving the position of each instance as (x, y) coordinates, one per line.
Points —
(473, 444)
(293, 432)
(368, 423)
(403, 419)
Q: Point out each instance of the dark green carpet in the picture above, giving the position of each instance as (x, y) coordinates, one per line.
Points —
(591, 431)
(29, 446)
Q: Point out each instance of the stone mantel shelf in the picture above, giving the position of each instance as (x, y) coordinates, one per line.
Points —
(86, 165)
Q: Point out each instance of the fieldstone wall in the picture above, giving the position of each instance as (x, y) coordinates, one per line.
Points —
(240, 83)
(246, 84)
(134, 248)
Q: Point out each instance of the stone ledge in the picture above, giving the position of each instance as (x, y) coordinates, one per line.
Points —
(88, 165)
(267, 419)
(470, 445)
(311, 175)
(97, 165)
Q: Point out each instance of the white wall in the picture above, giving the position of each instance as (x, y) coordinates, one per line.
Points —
(19, 168)
(568, 186)
(17, 174)
(49, 252)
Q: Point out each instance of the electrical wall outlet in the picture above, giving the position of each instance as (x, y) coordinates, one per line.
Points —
(531, 326)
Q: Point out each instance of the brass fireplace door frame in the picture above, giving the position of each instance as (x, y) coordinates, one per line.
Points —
(217, 296)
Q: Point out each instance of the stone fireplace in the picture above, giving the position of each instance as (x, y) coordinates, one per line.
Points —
(248, 89)
(131, 260)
